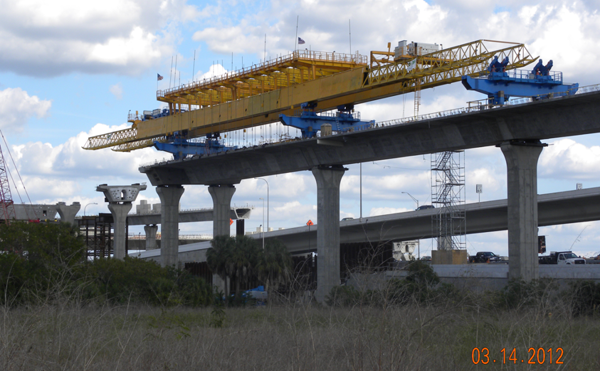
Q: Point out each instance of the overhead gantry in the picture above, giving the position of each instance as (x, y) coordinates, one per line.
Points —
(258, 95)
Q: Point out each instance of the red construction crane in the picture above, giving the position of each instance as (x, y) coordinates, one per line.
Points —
(7, 208)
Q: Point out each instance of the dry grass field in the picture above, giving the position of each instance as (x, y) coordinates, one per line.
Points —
(291, 336)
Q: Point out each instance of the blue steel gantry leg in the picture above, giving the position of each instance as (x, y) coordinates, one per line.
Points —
(309, 122)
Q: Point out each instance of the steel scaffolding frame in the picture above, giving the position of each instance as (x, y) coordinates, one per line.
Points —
(448, 195)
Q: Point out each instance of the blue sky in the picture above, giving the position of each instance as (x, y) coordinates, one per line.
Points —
(70, 69)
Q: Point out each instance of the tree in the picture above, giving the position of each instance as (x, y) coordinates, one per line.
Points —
(241, 260)
(219, 256)
(275, 265)
(44, 243)
(244, 260)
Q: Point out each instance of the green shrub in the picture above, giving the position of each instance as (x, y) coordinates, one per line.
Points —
(585, 298)
(14, 274)
(135, 280)
(420, 286)
(520, 294)
(343, 296)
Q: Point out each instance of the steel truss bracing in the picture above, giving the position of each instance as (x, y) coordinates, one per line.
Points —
(448, 196)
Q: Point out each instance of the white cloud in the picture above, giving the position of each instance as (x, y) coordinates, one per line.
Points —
(116, 90)
(70, 160)
(294, 213)
(214, 70)
(16, 107)
(49, 38)
(565, 158)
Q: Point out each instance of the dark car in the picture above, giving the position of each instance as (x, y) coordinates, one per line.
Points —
(425, 207)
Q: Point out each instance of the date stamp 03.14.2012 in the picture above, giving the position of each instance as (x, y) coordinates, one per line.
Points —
(534, 356)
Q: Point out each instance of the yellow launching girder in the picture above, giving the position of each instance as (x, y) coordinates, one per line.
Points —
(258, 96)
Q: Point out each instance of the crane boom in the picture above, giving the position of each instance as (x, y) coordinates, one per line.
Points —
(259, 95)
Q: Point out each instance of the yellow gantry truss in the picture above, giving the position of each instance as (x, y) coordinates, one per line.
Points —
(259, 94)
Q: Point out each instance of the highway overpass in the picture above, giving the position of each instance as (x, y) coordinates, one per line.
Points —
(553, 209)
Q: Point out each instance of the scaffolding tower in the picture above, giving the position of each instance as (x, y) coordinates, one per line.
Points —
(449, 223)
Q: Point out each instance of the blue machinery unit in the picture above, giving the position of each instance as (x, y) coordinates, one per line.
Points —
(180, 147)
(309, 122)
(499, 85)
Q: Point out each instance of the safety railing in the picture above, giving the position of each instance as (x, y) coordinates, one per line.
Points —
(257, 69)
(526, 75)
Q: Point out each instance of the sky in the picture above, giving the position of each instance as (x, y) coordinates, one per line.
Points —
(73, 69)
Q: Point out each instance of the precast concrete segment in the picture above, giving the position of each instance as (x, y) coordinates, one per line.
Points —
(328, 228)
(121, 193)
(37, 211)
(119, 213)
(221, 196)
(169, 200)
(551, 118)
(522, 208)
(67, 213)
(151, 236)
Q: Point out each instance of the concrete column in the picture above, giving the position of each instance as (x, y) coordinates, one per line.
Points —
(221, 196)
(169, 223)
(119, 213)
(151, 236)
(328, 228)
(521, 165)
(67, 213)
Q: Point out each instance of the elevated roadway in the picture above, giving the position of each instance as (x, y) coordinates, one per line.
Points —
(545, 119)
(490, 216)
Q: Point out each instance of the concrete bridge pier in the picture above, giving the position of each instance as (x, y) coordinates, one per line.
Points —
(119, 213)
(67, 213)
(221, 196)
(120, 200)
(328, 228)
(169, 223)
(522, 206)
(151, 236)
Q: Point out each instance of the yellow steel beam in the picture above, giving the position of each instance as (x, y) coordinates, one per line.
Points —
(358, 85)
